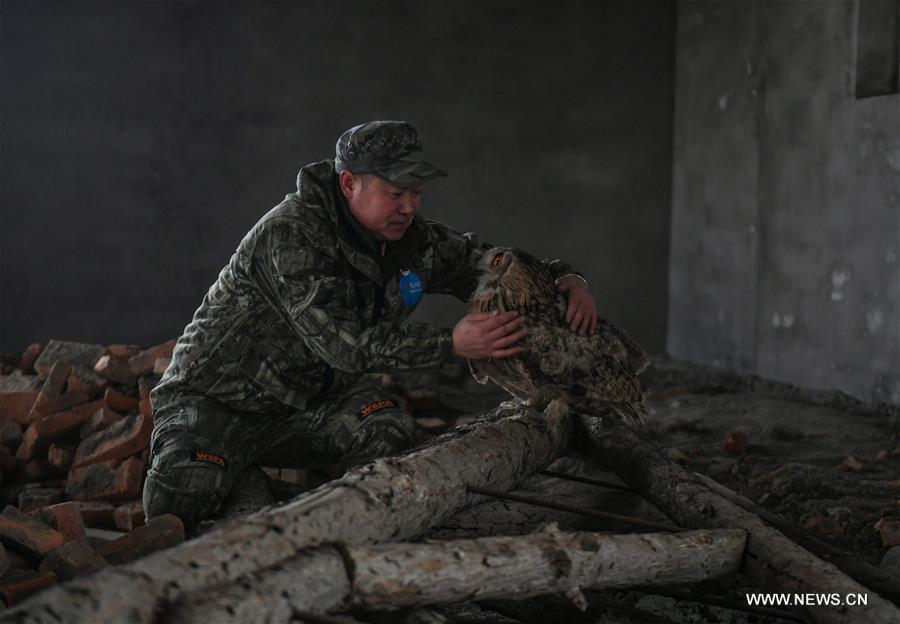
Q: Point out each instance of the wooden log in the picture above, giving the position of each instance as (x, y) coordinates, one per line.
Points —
(882, 581)
(547, 562)
(773, 562)
(388, 499)
(391, 576)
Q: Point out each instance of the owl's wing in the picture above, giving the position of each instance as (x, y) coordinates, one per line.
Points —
(509, 373)
(581, 366)
(477, 372)
(609, 338)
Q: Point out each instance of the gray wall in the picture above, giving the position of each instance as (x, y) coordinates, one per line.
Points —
(786, 199)
(140, 141)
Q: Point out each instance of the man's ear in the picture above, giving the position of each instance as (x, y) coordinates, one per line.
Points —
(347, 182)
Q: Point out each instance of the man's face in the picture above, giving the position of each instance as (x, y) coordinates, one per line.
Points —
(383, 209)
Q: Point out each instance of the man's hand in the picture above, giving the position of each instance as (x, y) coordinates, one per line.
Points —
(479, 336)
(581, 313)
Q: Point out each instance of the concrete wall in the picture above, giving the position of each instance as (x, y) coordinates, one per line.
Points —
(140, 141)
(786, 199)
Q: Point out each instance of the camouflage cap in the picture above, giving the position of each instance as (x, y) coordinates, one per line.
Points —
(389, 149)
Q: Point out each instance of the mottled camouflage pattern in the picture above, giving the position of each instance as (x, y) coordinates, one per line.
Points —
(389, 149)
(307, 297)
(364, 423)
(269, 364)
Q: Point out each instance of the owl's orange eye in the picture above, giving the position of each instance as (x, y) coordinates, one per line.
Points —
(495, 262)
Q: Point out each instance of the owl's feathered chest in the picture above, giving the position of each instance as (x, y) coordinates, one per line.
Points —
(520, 292)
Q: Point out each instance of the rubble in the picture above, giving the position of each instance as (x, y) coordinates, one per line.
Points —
(73, 441)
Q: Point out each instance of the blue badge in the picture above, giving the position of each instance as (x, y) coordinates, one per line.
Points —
(410, 288)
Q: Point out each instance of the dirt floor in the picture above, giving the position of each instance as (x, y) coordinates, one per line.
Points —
(821, 461)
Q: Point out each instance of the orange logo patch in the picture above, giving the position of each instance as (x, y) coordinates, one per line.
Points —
(209, 457)
(377, 405)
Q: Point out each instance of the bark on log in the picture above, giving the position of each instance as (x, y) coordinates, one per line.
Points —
(391, 576)
(389, 499)
(773, 561)
(542, 563)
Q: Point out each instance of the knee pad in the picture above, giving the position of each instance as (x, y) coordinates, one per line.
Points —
(179, 484)
(384, 434)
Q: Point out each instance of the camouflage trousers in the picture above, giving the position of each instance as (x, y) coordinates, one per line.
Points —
(199, 447)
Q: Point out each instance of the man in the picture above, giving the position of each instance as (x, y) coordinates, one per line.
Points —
(316, 295)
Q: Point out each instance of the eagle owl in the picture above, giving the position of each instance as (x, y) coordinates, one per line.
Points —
(555, 363)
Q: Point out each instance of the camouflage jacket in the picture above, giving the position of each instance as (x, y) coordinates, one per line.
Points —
(309, 302)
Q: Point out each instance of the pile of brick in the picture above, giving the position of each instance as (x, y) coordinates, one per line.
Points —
(75, 425)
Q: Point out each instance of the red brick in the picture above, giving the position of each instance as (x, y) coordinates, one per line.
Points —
(17, 406)
(97, 514)
(42, 432)
(115, 370)
(34, 498)
(60, 456)
(124, 351)
(143, 362)
(160, 366)
(735, 442)
(110, 480)
(31, 353)
(19, 583)
(129, 516)
(162, 532)
(126, 437)
(72, 559)
(17, 396)
(119, 401)
(27, 535)
(59, 404)
(55, 383)
(86, 380)
(69, 352)
(89, 409)
(103, 418)
(65, 518)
